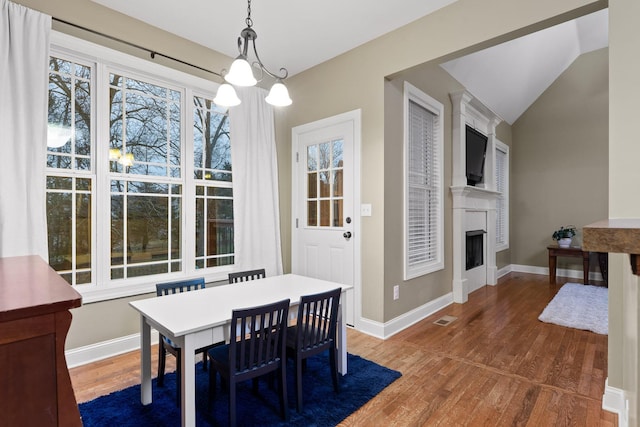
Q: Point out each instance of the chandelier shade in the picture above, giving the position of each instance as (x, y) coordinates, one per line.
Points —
(226, 96)
(241, 72)
(278, 95)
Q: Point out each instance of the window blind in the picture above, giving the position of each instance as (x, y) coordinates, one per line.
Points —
(501, 202)
(423, 183)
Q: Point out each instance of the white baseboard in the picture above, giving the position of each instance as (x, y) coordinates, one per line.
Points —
(561, 272)
(392, 327)
(504, 271)
(614, 400)
(105, 349)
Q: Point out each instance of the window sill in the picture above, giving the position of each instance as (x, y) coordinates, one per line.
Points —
(95, 293)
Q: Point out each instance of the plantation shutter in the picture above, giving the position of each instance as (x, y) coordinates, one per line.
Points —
(423, 184)
(501, 208)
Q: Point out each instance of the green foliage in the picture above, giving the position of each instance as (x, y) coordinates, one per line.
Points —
(564, 232)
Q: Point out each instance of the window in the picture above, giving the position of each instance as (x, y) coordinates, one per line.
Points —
(139, 176)
(325, 197)
(70, 178)
(502, 202)
(214, 193)
(423, 182)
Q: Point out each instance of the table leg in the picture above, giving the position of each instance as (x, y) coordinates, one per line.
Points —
(188, 404)
(585, 267)
(552, 269)
(145, 362)
(342, 339)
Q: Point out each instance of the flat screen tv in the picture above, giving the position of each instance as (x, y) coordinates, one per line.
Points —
(476, 152)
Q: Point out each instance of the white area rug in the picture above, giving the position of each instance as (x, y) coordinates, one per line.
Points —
(579, 306)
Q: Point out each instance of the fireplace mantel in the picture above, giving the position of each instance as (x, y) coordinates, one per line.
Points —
(469, 197)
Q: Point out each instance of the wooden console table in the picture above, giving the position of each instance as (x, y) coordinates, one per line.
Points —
(572, 251)
(35, 387)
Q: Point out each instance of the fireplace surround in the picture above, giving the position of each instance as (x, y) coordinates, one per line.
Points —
(474, 207)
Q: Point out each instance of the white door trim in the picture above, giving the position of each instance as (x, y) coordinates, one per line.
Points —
(354, 116)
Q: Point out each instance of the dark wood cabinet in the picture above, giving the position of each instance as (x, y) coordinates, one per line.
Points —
(35, 387)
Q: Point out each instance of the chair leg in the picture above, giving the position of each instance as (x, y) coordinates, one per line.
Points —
(298, 377)
(232, 403)
(162, 355)
(333, 355)
(284, 405)
(212, 386)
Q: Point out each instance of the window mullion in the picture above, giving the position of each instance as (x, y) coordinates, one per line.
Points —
(102, 191)
(188, 237)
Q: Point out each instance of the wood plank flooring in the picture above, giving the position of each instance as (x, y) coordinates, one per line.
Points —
(496, 365)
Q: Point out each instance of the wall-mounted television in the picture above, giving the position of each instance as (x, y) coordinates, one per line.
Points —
(476, 152)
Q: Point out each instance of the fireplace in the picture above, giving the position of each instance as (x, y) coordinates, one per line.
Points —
(475, 248)
(474, 207)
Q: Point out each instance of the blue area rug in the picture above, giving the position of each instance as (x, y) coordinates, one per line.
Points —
(322, 406)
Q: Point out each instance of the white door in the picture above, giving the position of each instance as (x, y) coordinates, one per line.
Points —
(325, 203)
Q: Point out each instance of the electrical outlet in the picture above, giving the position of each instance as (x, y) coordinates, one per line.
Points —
(396, 292)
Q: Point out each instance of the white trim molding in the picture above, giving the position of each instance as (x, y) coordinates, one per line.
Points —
(105, 349)
(560, 272)
(395, 325)
(615, 400)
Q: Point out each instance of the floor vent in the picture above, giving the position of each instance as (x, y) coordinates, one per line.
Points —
(445, 320)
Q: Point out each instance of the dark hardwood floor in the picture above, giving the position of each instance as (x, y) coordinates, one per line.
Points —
(496, 365)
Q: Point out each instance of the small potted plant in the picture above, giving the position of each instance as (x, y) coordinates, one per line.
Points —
(564, 235)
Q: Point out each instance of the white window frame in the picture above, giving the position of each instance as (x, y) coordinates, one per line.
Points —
(503, 244)
(105, 60)
(415, 95)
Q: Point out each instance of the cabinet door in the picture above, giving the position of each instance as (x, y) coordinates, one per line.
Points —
(28, 372)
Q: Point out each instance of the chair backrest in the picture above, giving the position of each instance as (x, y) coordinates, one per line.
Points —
(261, 341)
(245, 276)
(179, 286)
(317, 320)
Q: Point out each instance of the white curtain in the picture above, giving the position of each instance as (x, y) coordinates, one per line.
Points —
(255, 184)
(24, 58)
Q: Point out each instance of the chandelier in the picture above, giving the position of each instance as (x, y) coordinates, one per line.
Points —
(241, 73)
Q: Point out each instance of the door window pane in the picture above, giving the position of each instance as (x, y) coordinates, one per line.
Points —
(325, 184)
(312, 213)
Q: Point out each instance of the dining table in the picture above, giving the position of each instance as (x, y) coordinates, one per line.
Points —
(192, 320)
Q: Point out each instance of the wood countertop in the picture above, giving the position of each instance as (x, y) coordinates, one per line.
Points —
(615, 236)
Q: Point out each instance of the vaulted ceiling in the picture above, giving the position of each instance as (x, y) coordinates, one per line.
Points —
(297, 35)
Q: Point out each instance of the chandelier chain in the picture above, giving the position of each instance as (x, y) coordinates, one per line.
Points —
(249, 21)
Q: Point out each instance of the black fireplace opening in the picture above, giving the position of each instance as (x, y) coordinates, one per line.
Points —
(475, 248)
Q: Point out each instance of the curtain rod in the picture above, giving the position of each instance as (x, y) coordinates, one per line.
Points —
(153, 53)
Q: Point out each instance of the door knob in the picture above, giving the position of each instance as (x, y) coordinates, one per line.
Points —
(347, 235)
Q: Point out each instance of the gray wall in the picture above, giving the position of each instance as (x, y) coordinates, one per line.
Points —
(437, 83)
(560, 161)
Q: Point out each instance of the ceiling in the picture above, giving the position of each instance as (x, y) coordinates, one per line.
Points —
(509, 77)
(298, 35)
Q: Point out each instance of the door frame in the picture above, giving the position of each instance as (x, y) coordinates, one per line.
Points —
(354, 116)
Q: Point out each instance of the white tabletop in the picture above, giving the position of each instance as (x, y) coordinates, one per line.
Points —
(184, 313)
